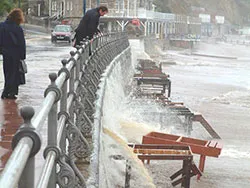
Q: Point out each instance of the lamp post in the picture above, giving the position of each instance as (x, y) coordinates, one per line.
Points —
(154, 7)
(50, 11)
(128, 7)
(135, 8)
(19, 4)
(123, 8)
(84, 7)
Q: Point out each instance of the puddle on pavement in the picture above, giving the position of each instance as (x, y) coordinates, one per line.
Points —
(10, 121)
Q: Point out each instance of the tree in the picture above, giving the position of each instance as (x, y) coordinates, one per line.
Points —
(7, 5)
(162, 6)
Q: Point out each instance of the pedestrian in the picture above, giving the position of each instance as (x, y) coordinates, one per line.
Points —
(13, 46)
(88, 25)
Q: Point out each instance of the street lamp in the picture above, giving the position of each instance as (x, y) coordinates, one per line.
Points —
(135, 8)
(84, 7)
(154, 6)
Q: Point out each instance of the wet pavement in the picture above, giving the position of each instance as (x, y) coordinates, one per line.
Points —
(10, 121)
(42, 59)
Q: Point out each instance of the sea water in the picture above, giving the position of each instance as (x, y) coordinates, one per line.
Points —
(217, 87)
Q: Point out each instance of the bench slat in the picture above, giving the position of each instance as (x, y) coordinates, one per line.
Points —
(212, 144)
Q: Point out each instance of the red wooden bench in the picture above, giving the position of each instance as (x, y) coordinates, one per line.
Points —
(211, 148)
(194, 171)
(169, 152)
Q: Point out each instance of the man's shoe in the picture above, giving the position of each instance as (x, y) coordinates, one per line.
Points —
(3, 96)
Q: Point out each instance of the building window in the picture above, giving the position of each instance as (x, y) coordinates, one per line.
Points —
(53, 5)
(71, 5)
(68, 6)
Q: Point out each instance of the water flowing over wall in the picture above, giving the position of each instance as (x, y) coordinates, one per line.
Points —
(114, 152)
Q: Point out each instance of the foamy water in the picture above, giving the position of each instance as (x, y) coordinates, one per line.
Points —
(234, 153)
(228, 72)
(237, 97)
(127, 119)
(220, 89)
(119, 128)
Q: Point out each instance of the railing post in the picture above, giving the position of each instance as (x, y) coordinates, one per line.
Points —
(52, 125)
(95, 43)
(84, 54)
(27, 130)
(52, 141)
(88, 45)
(85, 51)
(77, 63)
(63, 103)
(71, 89)
(27, 179)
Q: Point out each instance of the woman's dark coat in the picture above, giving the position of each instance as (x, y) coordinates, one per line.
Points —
(13, 46)
(88, 25)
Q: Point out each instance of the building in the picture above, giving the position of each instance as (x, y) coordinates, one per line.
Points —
(136, 16)
(75, 8)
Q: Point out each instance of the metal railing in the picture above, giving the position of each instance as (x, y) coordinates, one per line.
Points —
(71, 111)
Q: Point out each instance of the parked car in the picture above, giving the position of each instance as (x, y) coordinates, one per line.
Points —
(62, 33)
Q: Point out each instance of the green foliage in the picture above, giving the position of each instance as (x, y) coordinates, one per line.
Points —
(162, 6)
(7, 5)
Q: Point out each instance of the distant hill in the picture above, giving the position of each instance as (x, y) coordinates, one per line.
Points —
(235, 11)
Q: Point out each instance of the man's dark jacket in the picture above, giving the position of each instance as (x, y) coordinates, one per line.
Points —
(88, 25)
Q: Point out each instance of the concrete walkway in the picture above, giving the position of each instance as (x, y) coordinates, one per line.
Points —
(9, 123)
(42, 59)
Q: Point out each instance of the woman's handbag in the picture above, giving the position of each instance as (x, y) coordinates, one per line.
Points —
(23, 67)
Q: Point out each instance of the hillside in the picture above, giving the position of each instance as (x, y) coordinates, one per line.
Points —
(235, 11)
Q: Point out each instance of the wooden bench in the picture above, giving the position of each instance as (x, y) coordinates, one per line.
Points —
(194, 171)
(152, 71)
(214, 146)
(211, 148)
(169, 152)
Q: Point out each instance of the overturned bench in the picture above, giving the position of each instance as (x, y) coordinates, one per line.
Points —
(181, 110)
(169, 152)
(211, 148)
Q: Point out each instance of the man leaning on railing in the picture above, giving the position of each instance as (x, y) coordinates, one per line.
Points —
(89, 23)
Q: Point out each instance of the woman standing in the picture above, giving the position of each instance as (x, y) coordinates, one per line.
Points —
(13, 49)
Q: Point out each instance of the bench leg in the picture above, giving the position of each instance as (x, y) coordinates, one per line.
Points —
(128, 174)
(148, 161)
(176, 174)
(186, 173)
(201, 165)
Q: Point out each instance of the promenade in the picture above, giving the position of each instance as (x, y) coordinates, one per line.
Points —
(42, 59)
(9, 123)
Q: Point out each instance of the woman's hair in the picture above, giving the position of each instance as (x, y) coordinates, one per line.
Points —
(16, 15)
